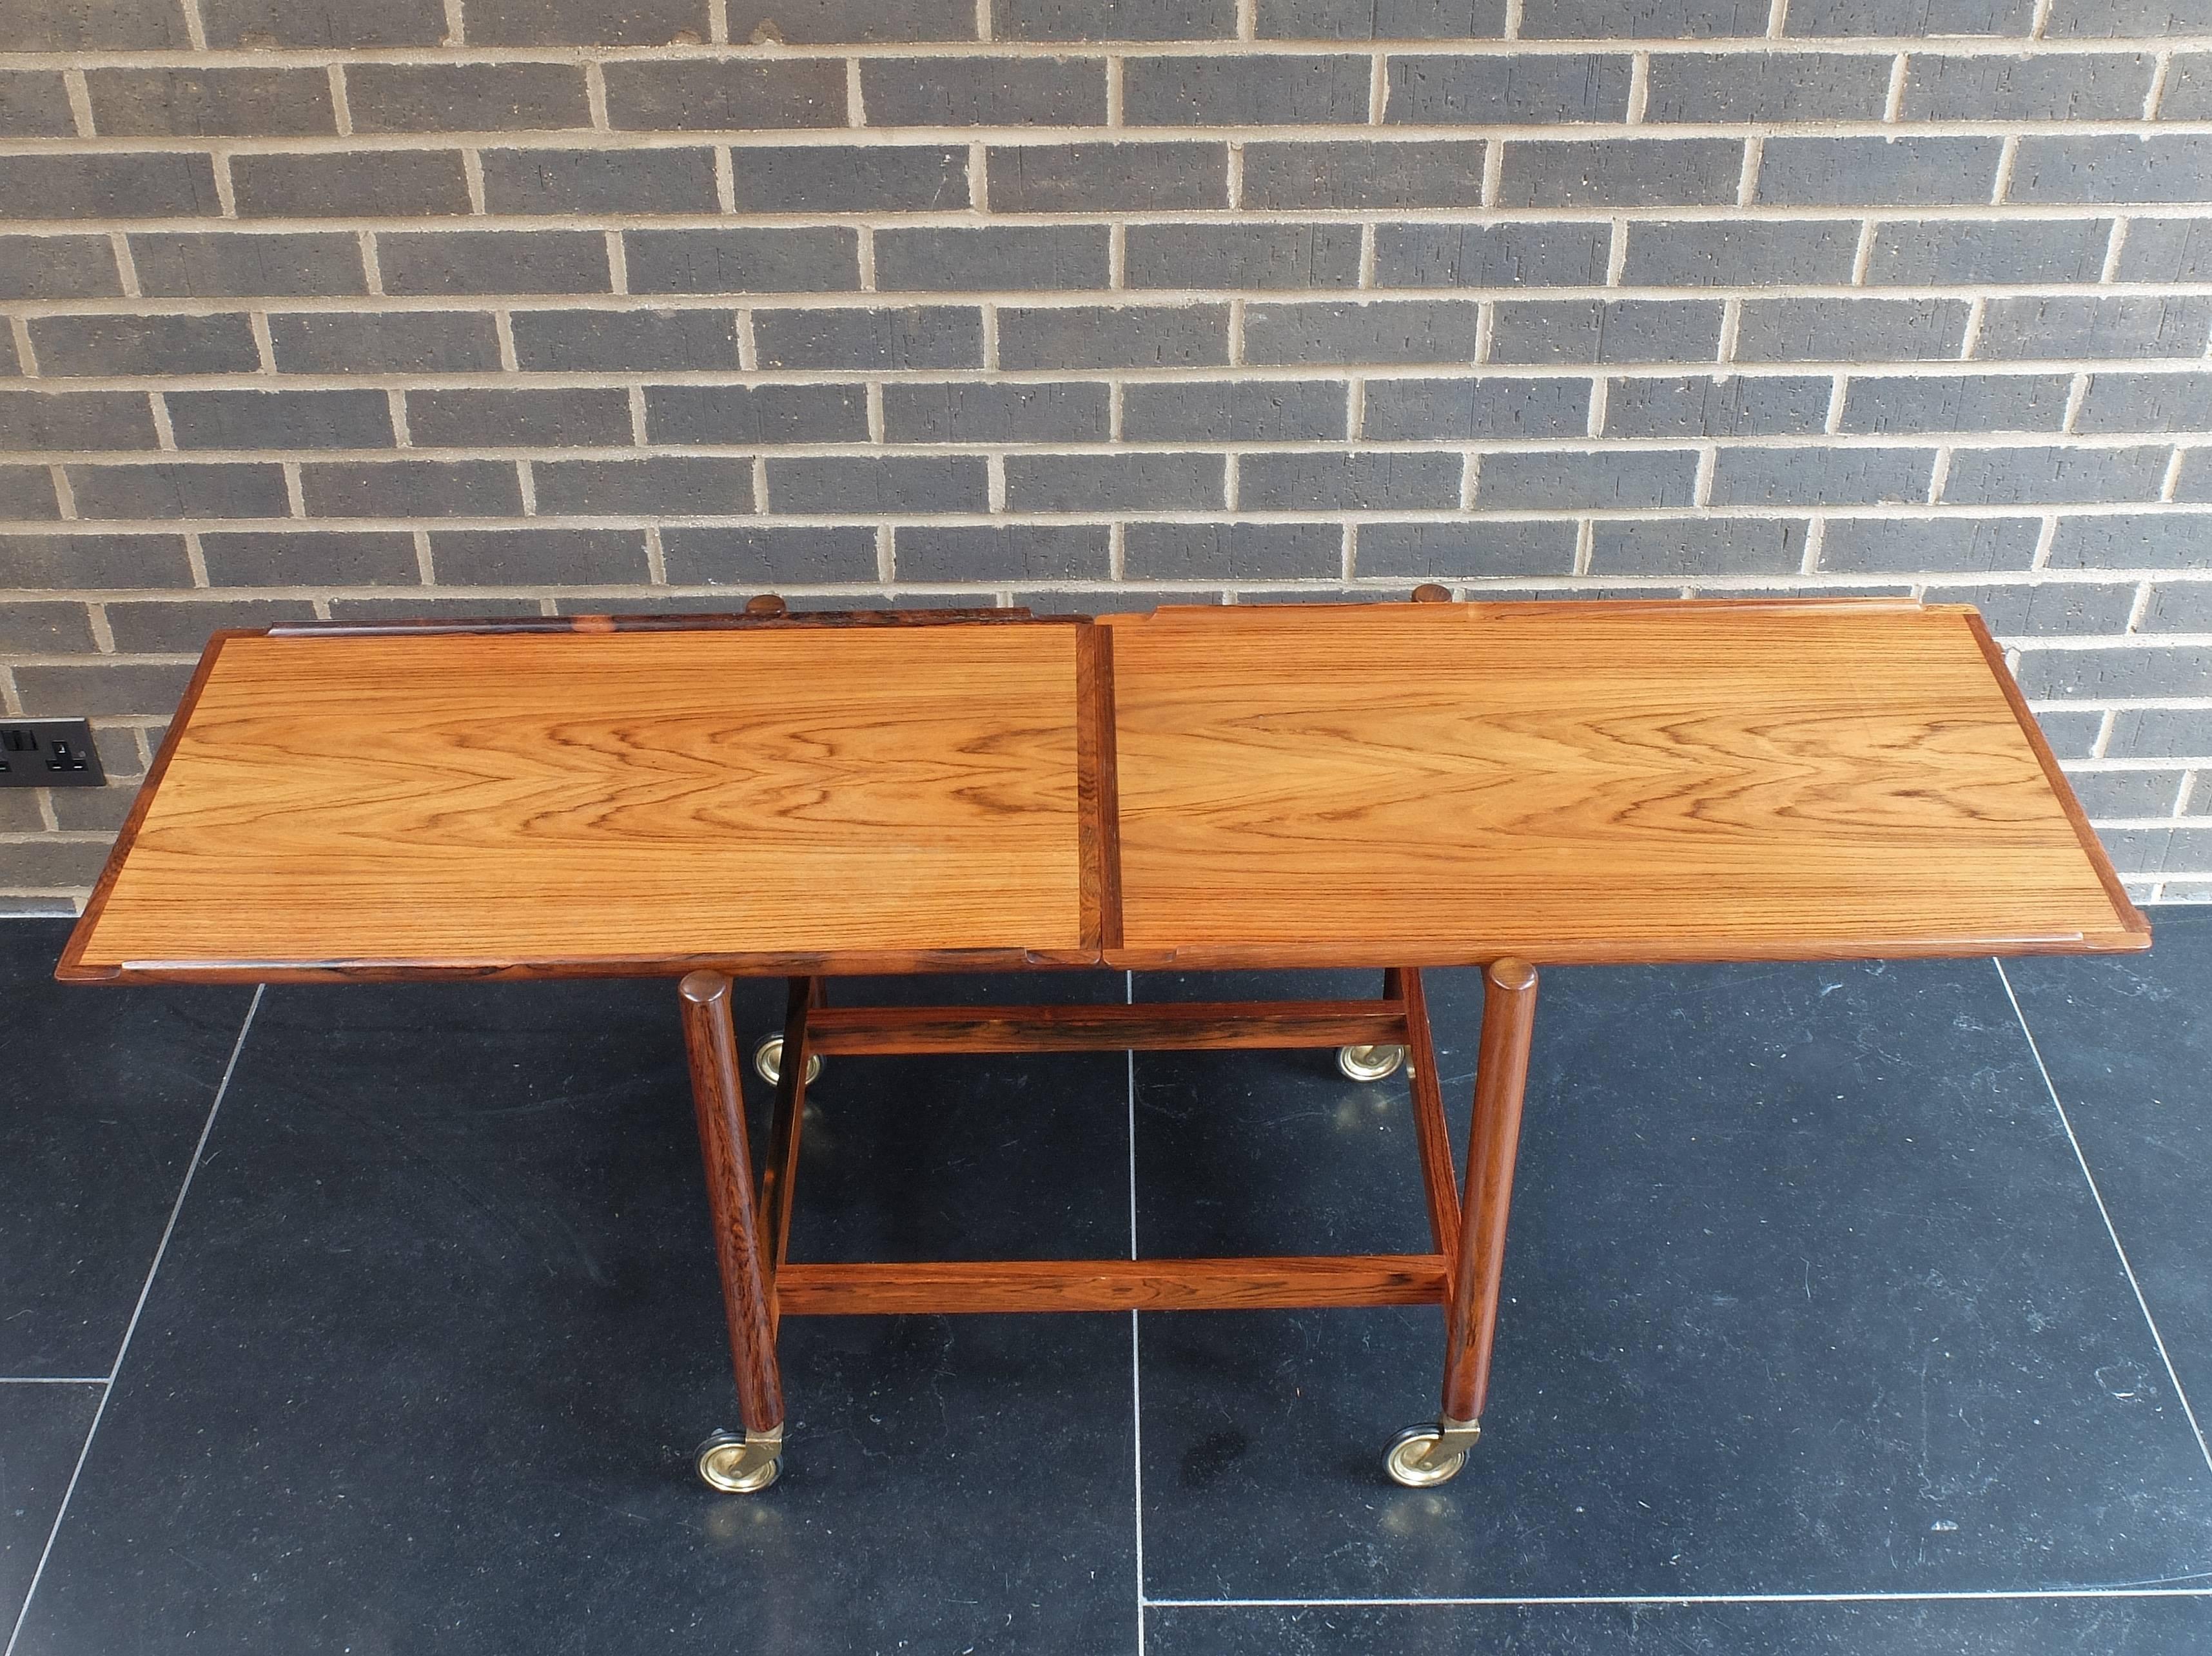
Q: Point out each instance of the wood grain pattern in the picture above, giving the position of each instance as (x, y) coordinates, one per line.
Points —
(1446, 784)
(402, 805)
(1501, 1077)
(1111, 1284)
(1431, 1136)
(1185, 1026)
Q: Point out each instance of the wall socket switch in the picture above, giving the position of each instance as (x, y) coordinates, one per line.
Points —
(48, 753)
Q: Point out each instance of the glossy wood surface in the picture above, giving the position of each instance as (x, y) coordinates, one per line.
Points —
(1112, 1284)
(1501, 1077)
(1432, 1134)
(1149, 1027)
(1448, 784)
(409, 805)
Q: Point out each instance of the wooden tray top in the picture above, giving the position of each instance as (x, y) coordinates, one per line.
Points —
(1385, 785)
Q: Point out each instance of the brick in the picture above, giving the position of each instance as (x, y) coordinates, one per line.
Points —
(1443, 91)
(523, 419)
(1236, 411)
(1085, 178)
(1110, 482)
(1700, 546)
(57, 267)
(2045, 608)
(1850, 330)
(259, 24)
(756, 414)
(1748, 255)
(674, 484)
(755, 259)
(384, 184)
(108, 688)
(810, 22)
(2109, 794)
(45, 630)
(2146, 402)
(1243, 255)
(1573, 254)
(1568, 480)
(1016, 552)
(217, 490)
(143, 344)
(1595, 331)
(725, 96)
(826, 178)
(413, 608)
(1836, 477)
(34, 104)
(1698, 405)
(129, 103)
(1381, 19)
(616, 341)
(1348, 482)
(538, 557)
(1471, 549)
(1114, 336)
(1910, 17)
(1113, 20)
(1020, 413)
(1612, 172)
(916, 336)
(2188, 94)
(1415, 173)
(846, 486)
(2013, 477)
(1231, 551)
(48, 862)
(1458, 409)
(391, 342)
(182, 627)
(66, 561)
(2115, 169)
(983, 91)
(586, 22)
(279, 419)
(108, 186)
(96, 810)
(1875, 171)
(411, 489)
(2071, 327)
(1003, 257)
(1941, 252)
(750, 556)
(1248, 89)
(2131, 541)
(331, 557)
(1792, 87)
(2160, 733)
(26, 492)
(2076, 20)
(2173, 608)
(2166, 250)
(2071, 87)
(71, 25)
(190, 265)
(2006, 402)
(451, 262)
(468, 97)
(2181, 669)
(1406, 331)
(1642, 19)
(2071, 734)
(605, 181)
(76, 420)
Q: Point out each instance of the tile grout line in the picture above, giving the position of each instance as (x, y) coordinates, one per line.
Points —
(145, 1291)
(54, 1379)
(1136, 1377)
(2098, 1196)
(2003, 1594)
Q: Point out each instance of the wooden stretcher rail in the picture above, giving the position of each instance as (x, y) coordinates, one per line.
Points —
(1111, 1284)
(1195, 1026)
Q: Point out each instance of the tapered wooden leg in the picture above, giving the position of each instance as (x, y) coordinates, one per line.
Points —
(1439, 1185)
(780, 1175)
(725, 1461)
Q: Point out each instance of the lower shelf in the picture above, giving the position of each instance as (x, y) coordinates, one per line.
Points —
(804, 1290)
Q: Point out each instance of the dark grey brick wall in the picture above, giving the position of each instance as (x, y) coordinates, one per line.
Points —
(450, 306)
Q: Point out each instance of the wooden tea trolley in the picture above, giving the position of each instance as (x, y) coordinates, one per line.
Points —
(1390, 786)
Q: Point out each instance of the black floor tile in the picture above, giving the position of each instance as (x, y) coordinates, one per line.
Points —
(1806, 1293)
(439, 1328)
(104, 1095)
(42, 1429)
(2127, 1040)
(2076, 1627)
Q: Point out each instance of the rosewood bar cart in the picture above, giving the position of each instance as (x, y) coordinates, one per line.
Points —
(1388, 787)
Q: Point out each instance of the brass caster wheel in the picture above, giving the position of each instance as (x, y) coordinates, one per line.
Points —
(1368, 1062)
(740, 1463)
(768, 1060)
(1421, 1456)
